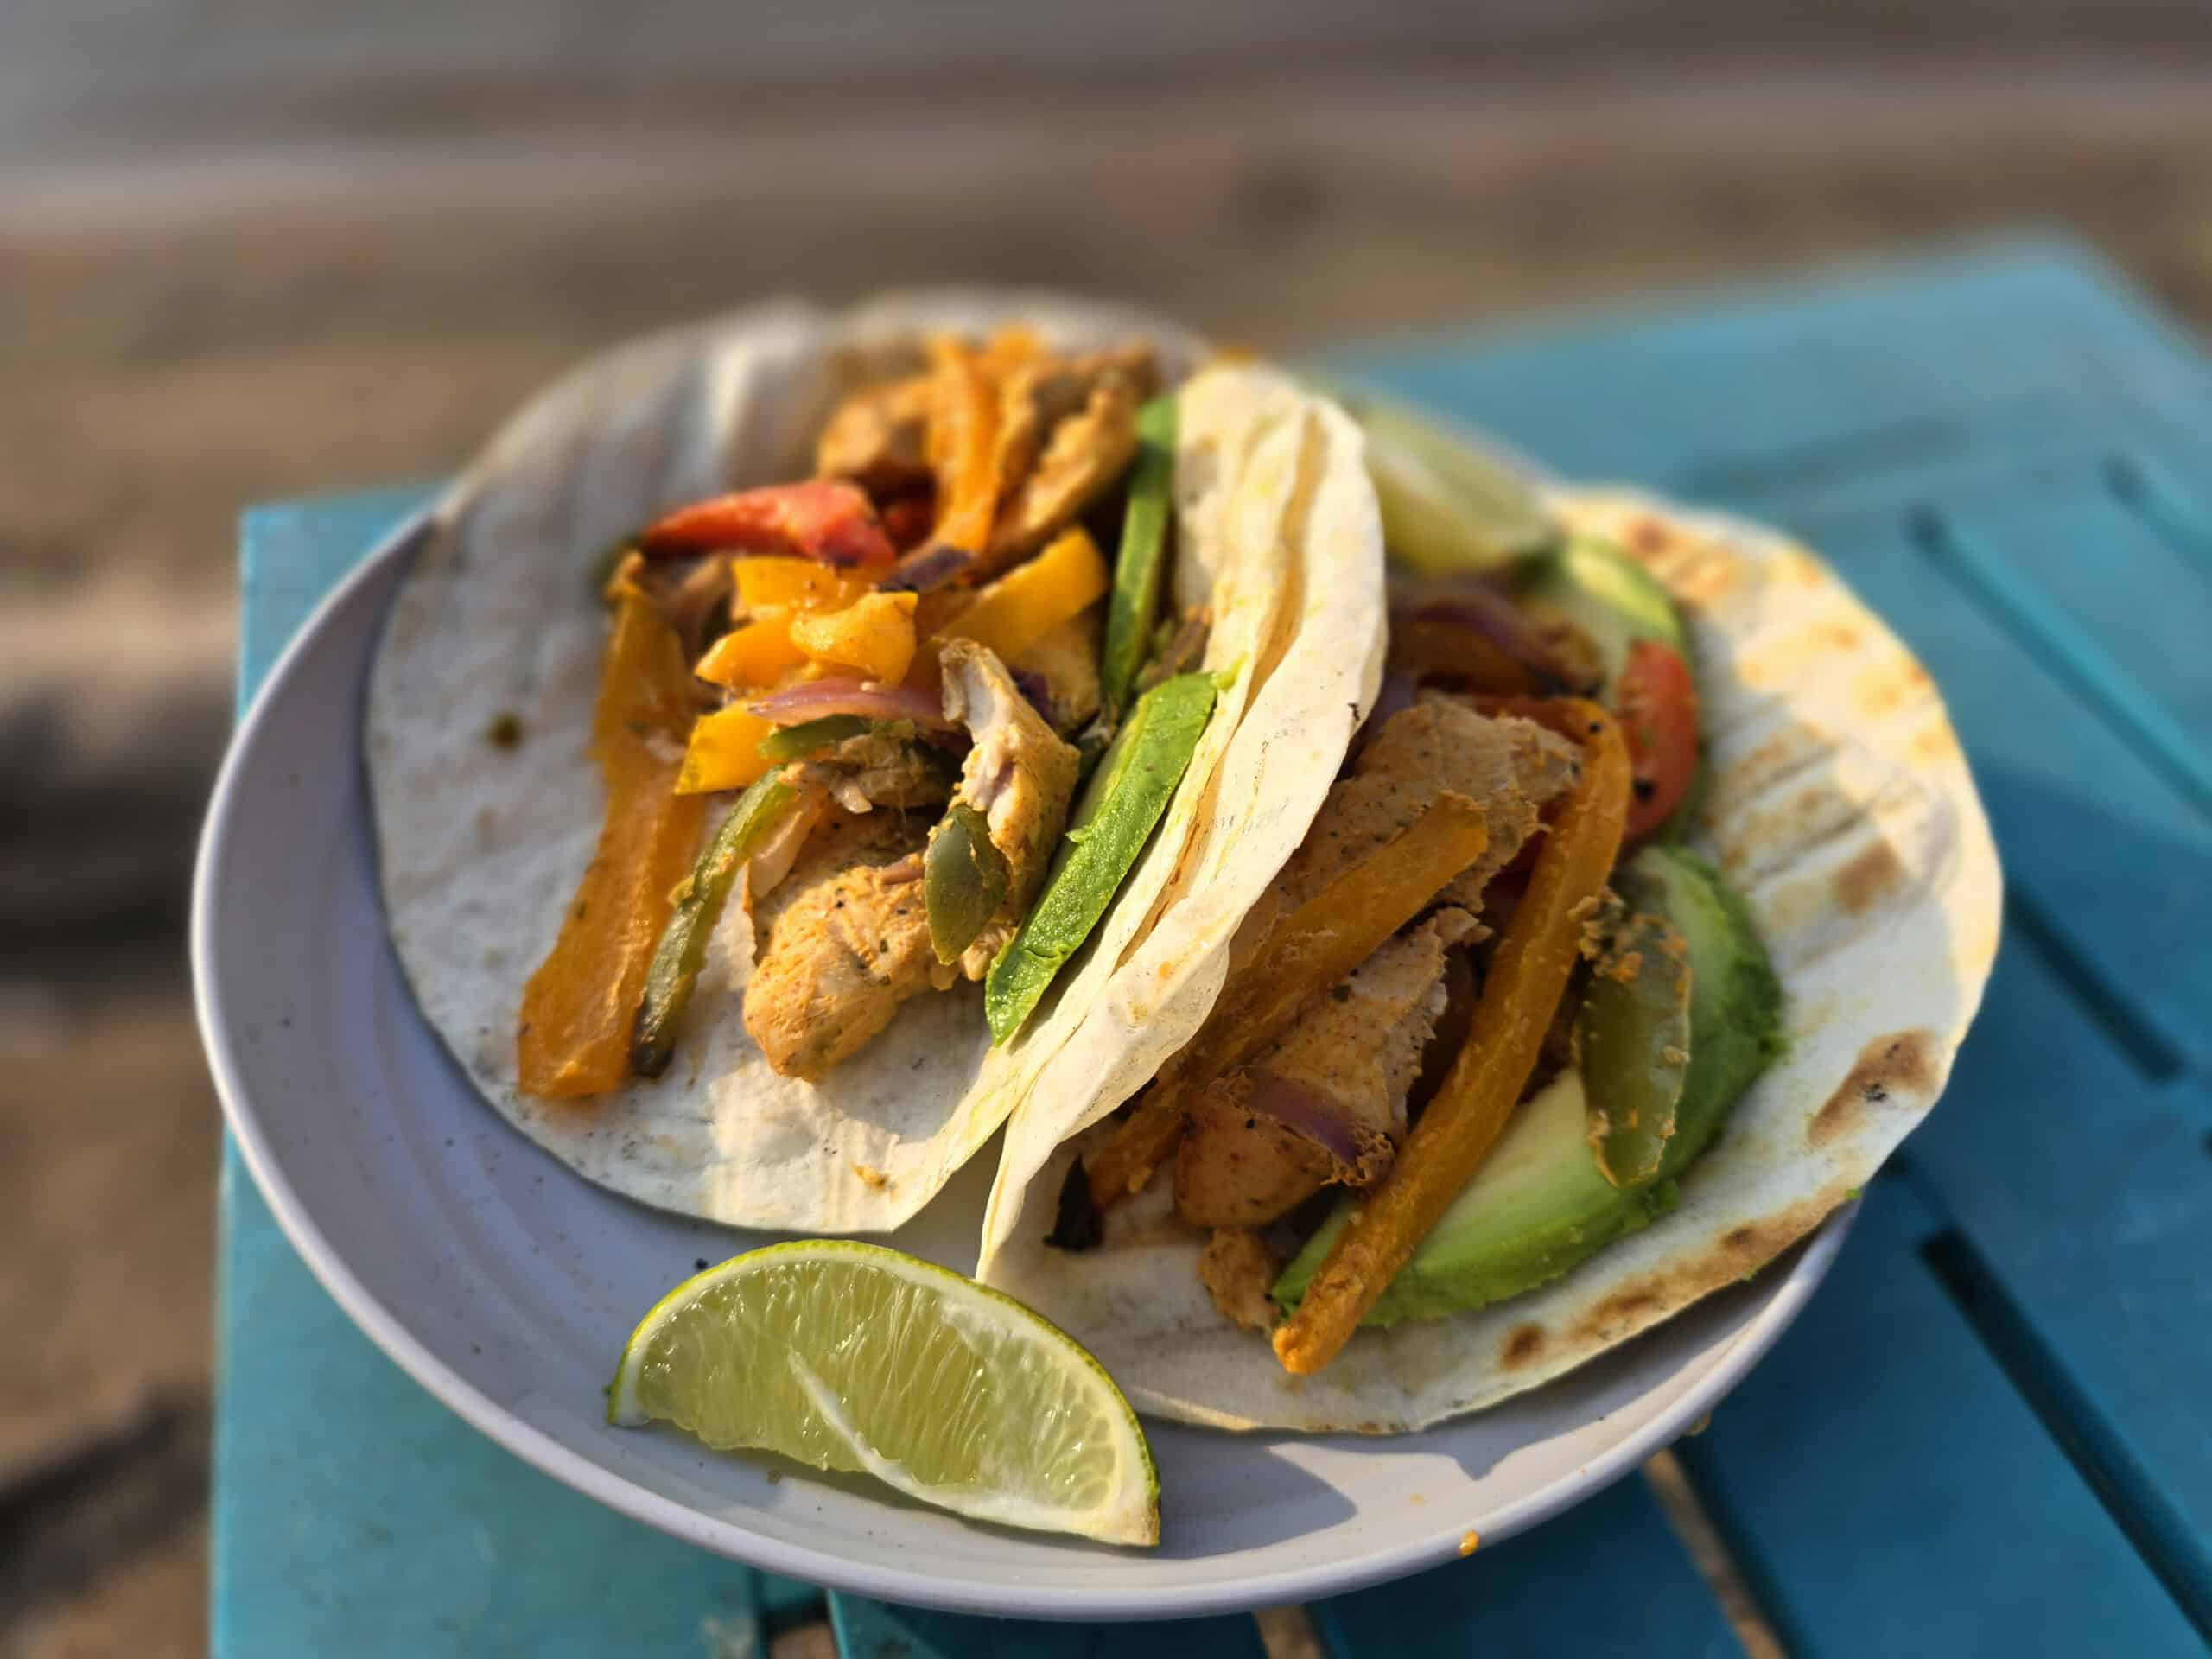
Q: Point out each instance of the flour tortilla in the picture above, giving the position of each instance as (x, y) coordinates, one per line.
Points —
(480, 847)
(1840, 807)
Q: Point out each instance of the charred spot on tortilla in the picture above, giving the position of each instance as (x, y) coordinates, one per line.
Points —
(1907, 1062)
(1525, 1344)
(1717, 1262)
(504, 731)
(1625, 1309)
(1869, 878)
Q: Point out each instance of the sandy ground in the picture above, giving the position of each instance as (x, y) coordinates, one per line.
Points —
(260, 312)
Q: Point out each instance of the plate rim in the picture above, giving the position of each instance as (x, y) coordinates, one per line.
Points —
(387, 1329)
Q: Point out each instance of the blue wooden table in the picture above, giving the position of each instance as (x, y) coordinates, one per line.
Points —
(1992, 1431)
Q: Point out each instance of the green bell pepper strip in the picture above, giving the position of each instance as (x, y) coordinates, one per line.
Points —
(810, 736)
(964, 880)
(1633, 1035)
(700, 898)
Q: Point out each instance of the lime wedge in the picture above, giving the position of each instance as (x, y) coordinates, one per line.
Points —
(857, 1358)
(1448, 508)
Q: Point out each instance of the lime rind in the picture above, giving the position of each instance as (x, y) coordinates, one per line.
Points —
(1075, 1461)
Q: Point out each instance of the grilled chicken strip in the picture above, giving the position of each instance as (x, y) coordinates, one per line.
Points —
(875, 438)
(877, 768)
(1018, 775)
(1327, 1101)
(844, 938)
(1515, 769)
(767, 867)
(1511, 768)
(1086, 453)
(1044, 391)
(1237, 1270)
(844, 941)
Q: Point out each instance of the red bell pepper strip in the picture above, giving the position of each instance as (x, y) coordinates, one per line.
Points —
(1655, 700)
(825, 519)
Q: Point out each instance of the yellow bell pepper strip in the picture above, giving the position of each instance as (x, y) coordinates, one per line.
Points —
(773, 584)
(825, 519)
(1305, 953)
(1013, 346)
(578, 1007)
(873, 637)
(963, 441)
(724, 752)
(748, 657)
(1527, 976)
(1023, 606)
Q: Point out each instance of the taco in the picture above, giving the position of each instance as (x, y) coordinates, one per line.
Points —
(1643, 925)
(790, 723)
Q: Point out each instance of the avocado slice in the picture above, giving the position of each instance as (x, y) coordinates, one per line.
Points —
(1125, 798)
(1140, 565)
(1537, 1206)
(1608, 595)
(1540, 1206)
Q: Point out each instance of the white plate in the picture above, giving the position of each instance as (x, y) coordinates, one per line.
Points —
(505, 1285)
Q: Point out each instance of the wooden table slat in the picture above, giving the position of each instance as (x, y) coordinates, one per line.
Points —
(2092, 1220)
(1921, 1508)
(879, 1630)
(2100, 569)
(1609, 1576)
(353, 1514)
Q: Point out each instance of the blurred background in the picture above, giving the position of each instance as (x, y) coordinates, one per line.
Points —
(257, 248)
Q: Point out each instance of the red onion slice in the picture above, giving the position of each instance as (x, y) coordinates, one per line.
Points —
(1036, 687)
(818, 699)
(927, 568)
(1491, 615)
(1360, 1153)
